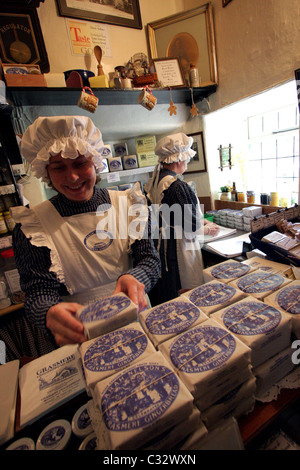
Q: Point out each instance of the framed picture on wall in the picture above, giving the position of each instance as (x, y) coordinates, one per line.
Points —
(169, 72)
(21, 39)
(190, 36)
(198, 162)
(121, 13)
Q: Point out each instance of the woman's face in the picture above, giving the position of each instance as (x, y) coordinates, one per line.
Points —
(74, 178)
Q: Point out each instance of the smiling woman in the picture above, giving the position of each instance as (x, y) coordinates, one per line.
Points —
(59, 271)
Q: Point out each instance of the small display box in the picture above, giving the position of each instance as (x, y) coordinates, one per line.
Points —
(22, 75)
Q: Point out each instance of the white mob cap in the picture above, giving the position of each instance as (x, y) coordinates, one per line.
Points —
(175, 148)
(69, 135)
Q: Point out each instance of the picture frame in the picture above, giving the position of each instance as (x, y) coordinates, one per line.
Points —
(225, 3)
(169, 72)
(197, 164)
(21, 39)
(129, 16)
(168, 37)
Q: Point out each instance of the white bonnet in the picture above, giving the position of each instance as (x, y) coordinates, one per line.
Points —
(175, 148)
(70, 135)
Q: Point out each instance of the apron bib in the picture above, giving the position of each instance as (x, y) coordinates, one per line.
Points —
(90, 265)
(189, 256)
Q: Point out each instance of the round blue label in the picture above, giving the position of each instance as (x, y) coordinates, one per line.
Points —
(98, 240)
(255, 283)
(172, 318)
(230, 270)
(289, 299)
(201, 349)
(138, 397)
(104, 308)
(52, 436)
(115, 350)
(83, 420)
(130, 162)
(251, 318)
(212, 294)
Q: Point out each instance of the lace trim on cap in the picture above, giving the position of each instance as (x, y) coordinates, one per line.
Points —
(69, 147)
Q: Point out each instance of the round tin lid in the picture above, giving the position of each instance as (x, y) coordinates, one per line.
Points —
(55, 436)
(81, 422)
(25, 443)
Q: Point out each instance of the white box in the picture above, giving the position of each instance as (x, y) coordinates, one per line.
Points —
(266, 330)
(226, 271)
(112, 352)
(141, 402)
(213, 296)
(288, 300)
(107, 314)
(167, 320)
(207, 356)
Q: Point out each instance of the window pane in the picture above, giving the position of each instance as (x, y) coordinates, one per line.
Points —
(285, 167)
(285, 145)
(287, 117)
(269, 168)
(269, 148)
(270, 122)
(254, 150)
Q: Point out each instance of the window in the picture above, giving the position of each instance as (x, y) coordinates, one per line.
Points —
(273, 152)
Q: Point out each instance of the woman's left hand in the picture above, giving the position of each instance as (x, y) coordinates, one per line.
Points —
(134, 289)
(211, 229)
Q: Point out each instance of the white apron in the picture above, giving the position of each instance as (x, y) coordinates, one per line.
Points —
(189, 256)
(87, 265)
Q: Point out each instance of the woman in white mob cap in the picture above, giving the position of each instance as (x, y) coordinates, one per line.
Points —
(62, 262)
(179, 244)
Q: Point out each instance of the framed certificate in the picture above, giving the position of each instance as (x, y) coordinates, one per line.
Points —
(169, 72)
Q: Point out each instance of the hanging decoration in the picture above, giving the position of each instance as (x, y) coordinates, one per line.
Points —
(172, 109)
(194, 110)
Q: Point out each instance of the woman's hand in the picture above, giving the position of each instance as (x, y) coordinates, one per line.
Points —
(61, 321)
(134, 289)
(211, 229)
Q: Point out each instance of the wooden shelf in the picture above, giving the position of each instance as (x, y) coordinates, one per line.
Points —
(10, 309)
(240, 205)
(41, 96)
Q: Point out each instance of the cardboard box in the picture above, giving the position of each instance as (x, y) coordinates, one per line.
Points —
(147, 159)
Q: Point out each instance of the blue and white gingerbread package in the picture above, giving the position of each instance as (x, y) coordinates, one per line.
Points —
(107, 314)
(141, 402)
(260, 283)
(273, 370)
(112, 352)
(288, 299)
(170, 318)
(263, 328)
(237, 402)
(226, 271)
(208, 357)
(271, 266)
(49, 381)
(213, 296)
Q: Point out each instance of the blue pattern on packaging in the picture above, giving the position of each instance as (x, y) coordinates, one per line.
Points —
(201, 349)
(104, 308)
(115, 350)
(238, 320)
(139, 397)
(212, 294)
(254, 283)
(230, 270)
(171, 317)
(289, 299)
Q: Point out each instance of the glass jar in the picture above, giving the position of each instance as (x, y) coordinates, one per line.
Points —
(10, 223)
(251, 197)
(3, 226)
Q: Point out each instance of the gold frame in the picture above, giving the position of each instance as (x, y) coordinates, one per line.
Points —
(176, 20)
